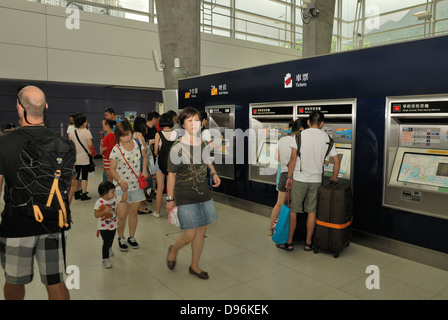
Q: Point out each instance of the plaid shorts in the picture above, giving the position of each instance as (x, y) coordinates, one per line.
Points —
(17, 257)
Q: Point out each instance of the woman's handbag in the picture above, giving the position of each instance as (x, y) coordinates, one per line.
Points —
(281, 232)
(91, 163)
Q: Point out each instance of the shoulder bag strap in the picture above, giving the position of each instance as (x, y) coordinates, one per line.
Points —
(127, 162)
(76, 133)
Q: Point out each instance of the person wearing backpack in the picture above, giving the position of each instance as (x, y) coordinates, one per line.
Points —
(305, 174)
(163, 141)
(34, 220)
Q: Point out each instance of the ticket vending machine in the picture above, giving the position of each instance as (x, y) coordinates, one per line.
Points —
(221, 122)
(267, 123)
(416, 155)
(340, 117)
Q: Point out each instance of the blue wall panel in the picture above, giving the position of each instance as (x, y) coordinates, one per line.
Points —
(370, 75)
(66, 99)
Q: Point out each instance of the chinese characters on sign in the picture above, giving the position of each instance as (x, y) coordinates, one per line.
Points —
(301, 80)
(192, 93)
(220, 90)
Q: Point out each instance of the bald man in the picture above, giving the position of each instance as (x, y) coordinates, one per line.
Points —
(23, 238)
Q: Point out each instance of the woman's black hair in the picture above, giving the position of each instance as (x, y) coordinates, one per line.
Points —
(140, 126)
(166, 120)
(104, 187)
(79, 120)
(297, 124)
(110, 123)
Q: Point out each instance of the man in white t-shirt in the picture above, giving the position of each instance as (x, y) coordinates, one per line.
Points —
(305, 174)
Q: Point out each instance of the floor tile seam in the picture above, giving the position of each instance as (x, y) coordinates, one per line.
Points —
(239, 280)
(391, 275)
(402, 283)
(325, 282)
(127, 283)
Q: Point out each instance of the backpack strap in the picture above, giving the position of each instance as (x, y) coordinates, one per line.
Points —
(330, 145)
(162, 136)
(62, 212)
(299, 144)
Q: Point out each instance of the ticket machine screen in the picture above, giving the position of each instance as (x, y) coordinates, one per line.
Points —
(424, 169)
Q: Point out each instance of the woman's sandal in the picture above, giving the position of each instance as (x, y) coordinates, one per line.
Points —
(308, 247)
(286, 246)
(270, 232)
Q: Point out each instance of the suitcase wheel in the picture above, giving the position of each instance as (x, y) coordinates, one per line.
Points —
(336, 255)
(316, 250)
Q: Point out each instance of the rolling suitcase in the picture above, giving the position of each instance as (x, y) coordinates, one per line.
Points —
(334, 217)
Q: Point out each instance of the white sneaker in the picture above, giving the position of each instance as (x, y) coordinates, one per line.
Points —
(107, 264)
(155, 214)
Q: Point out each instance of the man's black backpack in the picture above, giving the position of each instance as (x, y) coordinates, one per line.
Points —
(46, 169)
(164, 153)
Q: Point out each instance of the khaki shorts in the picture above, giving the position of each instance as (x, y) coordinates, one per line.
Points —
(304, 196)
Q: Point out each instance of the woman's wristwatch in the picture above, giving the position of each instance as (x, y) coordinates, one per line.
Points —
(169, 198)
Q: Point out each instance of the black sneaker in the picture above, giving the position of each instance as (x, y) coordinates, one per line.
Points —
(84, 197)
(122, 244)
(132, 243)
(77, 194)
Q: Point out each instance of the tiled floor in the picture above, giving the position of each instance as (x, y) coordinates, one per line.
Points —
(242, 262)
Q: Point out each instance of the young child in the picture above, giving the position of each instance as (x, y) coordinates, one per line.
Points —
(106, 212)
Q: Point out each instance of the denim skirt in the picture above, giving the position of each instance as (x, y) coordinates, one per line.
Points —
(195, 215)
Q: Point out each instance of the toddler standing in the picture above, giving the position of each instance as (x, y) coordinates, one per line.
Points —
(106, 212)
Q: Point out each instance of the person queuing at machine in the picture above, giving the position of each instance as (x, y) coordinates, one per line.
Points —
(305, 175)
(283, 155)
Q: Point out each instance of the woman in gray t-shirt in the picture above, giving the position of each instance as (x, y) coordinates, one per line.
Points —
(188, 187)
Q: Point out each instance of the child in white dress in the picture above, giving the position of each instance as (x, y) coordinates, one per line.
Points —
(106, 212)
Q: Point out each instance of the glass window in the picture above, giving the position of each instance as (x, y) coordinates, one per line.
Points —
(387, 5)
(266, 8)
(442, 10)
(138, 5)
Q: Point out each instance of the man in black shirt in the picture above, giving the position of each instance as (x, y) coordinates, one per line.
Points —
(22, 238)
(151, 123)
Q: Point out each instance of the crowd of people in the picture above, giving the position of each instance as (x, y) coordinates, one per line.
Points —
(130, 153)
(137, 161)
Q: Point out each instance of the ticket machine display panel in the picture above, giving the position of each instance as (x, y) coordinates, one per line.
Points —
(267, 125)
(221, 125)
(416, 158)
